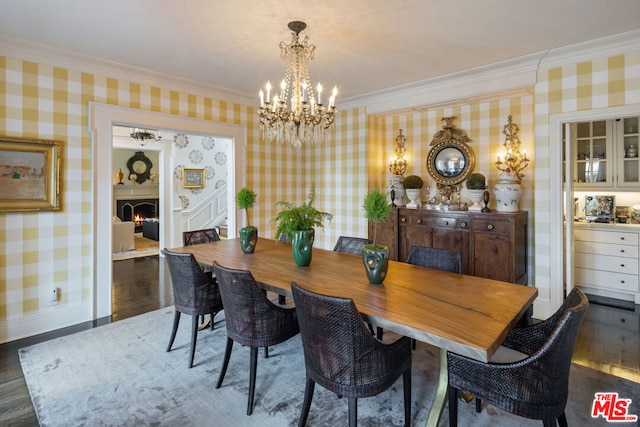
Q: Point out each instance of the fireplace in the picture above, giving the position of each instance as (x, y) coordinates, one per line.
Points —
(137, 210)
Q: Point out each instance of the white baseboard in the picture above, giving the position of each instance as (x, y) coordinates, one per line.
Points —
(44, 322)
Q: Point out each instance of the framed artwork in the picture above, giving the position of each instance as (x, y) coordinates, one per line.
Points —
(29, 174)
(193, 178)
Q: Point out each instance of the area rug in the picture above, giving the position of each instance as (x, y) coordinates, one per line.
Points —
(120, 375)
(144, 247)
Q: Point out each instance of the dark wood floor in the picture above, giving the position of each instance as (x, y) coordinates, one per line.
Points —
(609, 339)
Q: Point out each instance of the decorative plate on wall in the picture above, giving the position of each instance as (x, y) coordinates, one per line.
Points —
(208, 143)
(180, 140)
(177, 172)
(195, 156)
(221, 158)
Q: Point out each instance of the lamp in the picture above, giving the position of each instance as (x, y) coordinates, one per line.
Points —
(514, 161)
(141, 136)
(304, 118)
(398, 165)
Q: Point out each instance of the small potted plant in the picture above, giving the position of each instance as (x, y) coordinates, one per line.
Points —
(476, 184)
(297, 223)
(412, 185)
(245, 198)
(375, 257)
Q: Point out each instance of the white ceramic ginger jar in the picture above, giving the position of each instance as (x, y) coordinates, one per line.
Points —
(507, 193)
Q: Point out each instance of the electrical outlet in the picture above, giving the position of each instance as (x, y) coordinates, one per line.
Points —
(54, 297)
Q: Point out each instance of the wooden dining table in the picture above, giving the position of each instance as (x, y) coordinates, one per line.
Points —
(464, 314)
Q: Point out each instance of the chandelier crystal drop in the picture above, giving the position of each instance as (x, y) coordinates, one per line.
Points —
(296, 113)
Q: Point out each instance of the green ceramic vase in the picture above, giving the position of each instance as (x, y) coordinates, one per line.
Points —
(301, 245)
(376, 262)
(248, 239)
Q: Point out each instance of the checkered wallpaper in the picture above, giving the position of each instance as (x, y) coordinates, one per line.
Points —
(600, 83)
(41, 250)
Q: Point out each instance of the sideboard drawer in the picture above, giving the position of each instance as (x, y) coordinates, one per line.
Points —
(605, 279)
(498, 227)
(612, 249)
(619, 237)
(614, 264)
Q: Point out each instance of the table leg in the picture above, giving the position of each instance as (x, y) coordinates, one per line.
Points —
(440, 399)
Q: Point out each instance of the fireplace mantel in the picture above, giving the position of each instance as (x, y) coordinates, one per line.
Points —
(130, 192)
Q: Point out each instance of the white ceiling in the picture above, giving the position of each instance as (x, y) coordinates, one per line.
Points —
(362, 45)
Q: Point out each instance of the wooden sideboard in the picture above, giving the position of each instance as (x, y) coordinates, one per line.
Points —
(493, 245)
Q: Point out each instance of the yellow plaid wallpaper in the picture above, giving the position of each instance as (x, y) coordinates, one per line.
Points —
(591, 85)
(40, 251)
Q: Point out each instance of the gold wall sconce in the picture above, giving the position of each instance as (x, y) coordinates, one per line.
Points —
(513, 160)
(398, 164)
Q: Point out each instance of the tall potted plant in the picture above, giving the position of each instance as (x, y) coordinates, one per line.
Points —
(298, 223)
(375, 257)
(245, 198)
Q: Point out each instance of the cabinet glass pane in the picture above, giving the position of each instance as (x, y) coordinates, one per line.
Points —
(631, 125)
(584, 130)
(599, 148)
(596, 171)
(630, 170)
(631, 146)
(584, 150)
(600, 128)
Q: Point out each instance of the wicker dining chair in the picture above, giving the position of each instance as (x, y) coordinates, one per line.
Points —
(533, 380)
(252, 320)
(439, 259)
(195, 237)
(342, 356)
(351, 245)
(194, 293)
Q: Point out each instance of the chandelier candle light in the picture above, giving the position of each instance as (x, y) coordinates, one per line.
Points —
(304, 118)
(141, 136)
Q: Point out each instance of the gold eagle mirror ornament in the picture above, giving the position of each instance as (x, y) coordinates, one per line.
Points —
(450, 160)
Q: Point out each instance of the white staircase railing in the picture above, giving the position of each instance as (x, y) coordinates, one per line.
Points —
(209, 213)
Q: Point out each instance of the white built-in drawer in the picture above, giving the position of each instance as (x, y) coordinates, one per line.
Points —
(620, 237)
(606, 280)
(614, 264)
(613, 249)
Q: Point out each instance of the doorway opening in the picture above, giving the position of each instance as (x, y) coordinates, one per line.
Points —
(102, 118)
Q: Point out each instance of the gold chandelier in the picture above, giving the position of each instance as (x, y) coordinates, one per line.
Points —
(304, 118)
(141, 136)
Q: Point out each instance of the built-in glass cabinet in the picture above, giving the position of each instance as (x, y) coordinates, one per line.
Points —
(605, 154)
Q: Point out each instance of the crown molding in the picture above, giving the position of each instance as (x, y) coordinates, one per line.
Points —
(39, 53)
(508, 76)
(617, 44)
(505, 76)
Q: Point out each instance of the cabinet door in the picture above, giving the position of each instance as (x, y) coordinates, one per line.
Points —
(626, 145)
(592, 143)
(414, 231)
(453, 240)
(492, 256)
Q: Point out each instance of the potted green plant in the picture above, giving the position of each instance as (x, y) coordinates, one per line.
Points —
(297, 223)
(375, 257)
(412, 185)
(476, 184)
(245, 198)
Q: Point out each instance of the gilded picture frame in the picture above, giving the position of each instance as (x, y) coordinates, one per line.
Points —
(29, 174)
(193, 178)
